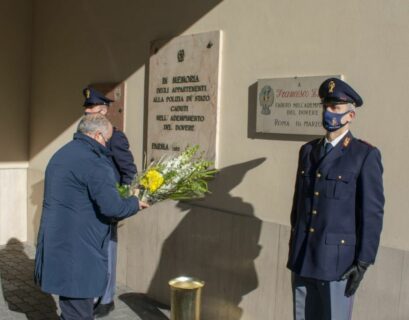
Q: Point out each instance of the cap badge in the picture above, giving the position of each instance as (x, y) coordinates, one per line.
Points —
(87, 93)
(331, 86)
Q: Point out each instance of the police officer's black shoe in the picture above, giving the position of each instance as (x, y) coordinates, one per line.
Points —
(102, 310)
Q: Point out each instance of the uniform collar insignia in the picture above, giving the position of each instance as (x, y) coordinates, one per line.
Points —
(346, 142)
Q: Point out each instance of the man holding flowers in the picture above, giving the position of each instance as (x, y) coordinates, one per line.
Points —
(80, 200)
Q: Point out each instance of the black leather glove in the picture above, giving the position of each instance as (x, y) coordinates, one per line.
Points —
(354, 275)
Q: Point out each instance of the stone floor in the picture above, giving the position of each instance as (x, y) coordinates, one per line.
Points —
(20, 298)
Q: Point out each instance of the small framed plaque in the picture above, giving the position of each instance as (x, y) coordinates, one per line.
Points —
(290, 105)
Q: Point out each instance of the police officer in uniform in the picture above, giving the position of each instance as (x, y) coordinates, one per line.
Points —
(125, 171)
(337, 211)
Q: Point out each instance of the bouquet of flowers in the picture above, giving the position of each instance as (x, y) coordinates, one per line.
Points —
(177, 177)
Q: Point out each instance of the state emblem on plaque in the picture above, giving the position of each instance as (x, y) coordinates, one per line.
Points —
(181, 55)
(266, 98)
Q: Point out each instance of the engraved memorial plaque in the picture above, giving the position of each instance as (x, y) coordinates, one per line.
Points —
(183, 94)
(290, 105)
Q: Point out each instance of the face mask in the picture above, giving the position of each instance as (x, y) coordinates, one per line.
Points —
(87, 113)
(332, 121)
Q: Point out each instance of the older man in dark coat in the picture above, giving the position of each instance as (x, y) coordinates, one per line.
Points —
(80, 200)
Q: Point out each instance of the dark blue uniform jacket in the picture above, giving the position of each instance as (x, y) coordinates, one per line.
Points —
(125, 169)
(337, 210)
(80, 198)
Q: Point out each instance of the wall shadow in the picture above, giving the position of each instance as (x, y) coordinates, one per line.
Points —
(15, 59)
(215, 246)
(19, 291)
(144, 307)
(94, 41)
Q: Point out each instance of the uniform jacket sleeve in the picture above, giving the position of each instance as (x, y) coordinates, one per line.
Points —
(295, 196)
(102, 189)
(122, 157)
(370, 203)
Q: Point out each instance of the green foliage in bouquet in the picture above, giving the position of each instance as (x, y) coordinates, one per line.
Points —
(180, 177)
(124, 190)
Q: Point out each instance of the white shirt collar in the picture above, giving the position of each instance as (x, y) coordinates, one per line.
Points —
(336, 140)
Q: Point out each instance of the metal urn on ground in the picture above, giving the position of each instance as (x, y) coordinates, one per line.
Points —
(185, 298)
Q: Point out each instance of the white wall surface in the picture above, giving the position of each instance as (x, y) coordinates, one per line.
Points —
(13, 202)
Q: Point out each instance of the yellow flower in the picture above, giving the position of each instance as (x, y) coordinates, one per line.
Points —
(152, 180)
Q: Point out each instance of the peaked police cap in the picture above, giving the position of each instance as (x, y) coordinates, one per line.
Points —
(94, 97)
(336, 91)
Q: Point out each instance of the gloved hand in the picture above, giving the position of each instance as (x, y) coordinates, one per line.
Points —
(354, 275)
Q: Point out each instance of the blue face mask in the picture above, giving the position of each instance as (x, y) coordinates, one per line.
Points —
(332, 121)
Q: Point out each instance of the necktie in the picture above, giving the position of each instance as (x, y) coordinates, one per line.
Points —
(328, 146)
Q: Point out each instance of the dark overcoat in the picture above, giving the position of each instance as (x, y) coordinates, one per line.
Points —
(80, 199)
(337, 212)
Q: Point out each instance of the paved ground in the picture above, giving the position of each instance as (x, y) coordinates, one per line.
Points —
(20, 298)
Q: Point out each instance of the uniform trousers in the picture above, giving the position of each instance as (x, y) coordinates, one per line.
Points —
(112, 256)
(315, 299)
(76, 309)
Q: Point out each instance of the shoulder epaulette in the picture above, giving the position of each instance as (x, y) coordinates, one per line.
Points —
(367, 143)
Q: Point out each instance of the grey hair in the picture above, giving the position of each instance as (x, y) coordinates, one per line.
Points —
(93, 123)
(351, 107)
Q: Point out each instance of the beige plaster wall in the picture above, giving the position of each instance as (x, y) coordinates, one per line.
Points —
(82, 42)
(363, 40)
(15, 63)
(99, 41)
(367, 43)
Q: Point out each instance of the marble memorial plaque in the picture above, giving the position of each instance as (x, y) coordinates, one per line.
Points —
(290, 105)
(183, 94)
